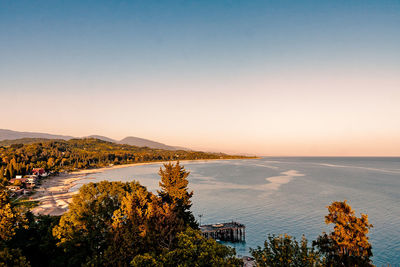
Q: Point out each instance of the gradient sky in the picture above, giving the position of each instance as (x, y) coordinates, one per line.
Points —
(259, 77)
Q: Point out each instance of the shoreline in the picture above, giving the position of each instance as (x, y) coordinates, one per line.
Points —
(54, 193)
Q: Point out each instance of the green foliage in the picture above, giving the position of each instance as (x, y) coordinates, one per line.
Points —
(11, 217)
(12, 257)
(133, 229)
(195, 250)
(36, 243)
(174, 191)
(60, 155)
(145, 260)
(26, 204)
(21, 141)
(110, 223)
(85, 229)
(11, 220)
(192, 249)
(346, 246)
(282, 251)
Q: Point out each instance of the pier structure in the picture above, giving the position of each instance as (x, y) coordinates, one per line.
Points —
(231, 231)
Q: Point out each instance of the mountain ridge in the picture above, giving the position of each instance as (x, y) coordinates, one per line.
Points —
(137, 141)
(10, 135)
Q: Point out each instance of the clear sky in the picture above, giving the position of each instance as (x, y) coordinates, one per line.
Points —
(265, 77)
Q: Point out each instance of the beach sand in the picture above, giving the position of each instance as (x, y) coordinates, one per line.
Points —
(54, 193)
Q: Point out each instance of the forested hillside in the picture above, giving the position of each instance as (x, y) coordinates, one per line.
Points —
(61, 155)
(9, 142)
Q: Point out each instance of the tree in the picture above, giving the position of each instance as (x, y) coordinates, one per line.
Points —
(10, 171)
(11, 217)
(83, 153)
(142, 224)
(192, 250)
(37, 242)
(145, 260)
(174, 190)
(4, 196)
(8, 222)
(12, 257)
(129, 228)
(285, 251)
(50, 163)
(348, 244)
(84, 230)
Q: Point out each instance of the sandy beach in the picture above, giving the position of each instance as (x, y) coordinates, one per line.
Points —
(54, 193)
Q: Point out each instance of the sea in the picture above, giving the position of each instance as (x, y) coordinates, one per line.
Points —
(287, 195)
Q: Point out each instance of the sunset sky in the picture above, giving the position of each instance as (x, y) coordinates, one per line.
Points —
(304, 78)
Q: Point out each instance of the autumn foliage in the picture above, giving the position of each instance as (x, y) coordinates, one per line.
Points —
(347, 244)
(124, 224)
(118, 224)
(11, 220)
(61, 155)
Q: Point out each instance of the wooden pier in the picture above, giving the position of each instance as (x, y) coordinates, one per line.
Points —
(231, 231)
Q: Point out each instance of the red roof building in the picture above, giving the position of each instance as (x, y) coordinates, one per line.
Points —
(38, 171)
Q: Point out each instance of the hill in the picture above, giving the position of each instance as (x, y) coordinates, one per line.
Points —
(141, 142)
(9, 137)
(12, 135)
(103, 138)
(61, 155)
(8, 142)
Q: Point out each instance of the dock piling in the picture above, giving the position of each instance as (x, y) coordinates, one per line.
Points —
(232, 231)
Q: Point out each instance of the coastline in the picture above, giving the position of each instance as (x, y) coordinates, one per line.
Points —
(54, 193)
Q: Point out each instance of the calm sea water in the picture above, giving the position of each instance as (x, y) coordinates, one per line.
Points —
(288, 195)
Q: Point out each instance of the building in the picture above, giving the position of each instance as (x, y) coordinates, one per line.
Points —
(39, 172)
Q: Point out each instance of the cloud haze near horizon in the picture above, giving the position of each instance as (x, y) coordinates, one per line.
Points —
(307, 78)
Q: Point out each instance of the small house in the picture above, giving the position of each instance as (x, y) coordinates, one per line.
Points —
(38, 171)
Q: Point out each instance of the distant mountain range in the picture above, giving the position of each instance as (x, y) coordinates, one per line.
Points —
(136, 141)
(10, 137)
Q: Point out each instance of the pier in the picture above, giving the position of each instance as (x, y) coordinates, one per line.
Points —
(231, 231)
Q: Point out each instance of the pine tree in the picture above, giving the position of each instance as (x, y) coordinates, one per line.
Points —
(174, 190)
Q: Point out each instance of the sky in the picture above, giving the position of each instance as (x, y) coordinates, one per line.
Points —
(274, 78)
